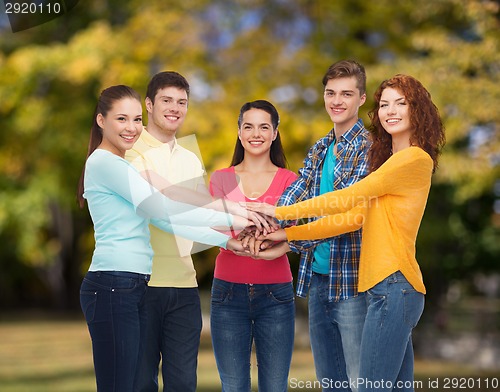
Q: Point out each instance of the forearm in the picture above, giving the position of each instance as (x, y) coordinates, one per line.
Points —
(204, 235)
(329, 226)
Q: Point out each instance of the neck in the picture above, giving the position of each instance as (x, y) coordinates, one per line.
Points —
(255, 164)
(160, 134)
(340, 129)
(399, 144)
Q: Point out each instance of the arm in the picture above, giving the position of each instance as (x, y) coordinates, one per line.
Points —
(119, 177)
(205, 235)
(205, 200)
(406, 171)
(329, 226)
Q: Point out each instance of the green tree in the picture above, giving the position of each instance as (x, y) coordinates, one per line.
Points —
(233, 52)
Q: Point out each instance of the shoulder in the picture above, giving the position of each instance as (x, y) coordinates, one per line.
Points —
(413, 160)
(287, 174)
(414, 153)
(224, 171)
(221, 174)
(104, 164)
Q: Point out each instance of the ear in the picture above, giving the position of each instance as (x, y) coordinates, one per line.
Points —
(100, 120)
(363, 99)
(239, 134)
(149, 105)
(275, 134)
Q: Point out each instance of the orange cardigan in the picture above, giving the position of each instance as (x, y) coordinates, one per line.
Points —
(389, 205)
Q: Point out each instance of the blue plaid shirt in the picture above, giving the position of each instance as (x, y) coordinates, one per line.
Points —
(351, 166)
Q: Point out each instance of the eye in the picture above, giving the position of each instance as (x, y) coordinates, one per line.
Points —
(183, 103)
(121, 118)
(138, 119)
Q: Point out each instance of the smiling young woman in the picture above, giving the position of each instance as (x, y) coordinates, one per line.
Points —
(122, 204)
(389, 204)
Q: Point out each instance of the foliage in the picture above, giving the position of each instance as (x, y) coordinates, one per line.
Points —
(231, 53)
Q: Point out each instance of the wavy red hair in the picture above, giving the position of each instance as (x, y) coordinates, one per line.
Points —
(428, 129)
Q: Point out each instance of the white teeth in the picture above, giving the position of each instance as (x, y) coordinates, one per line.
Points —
(392, 121)
(130, 138)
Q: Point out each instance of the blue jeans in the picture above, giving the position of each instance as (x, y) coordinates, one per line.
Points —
(259, 313)
(335, 330)
(173, 331)
(113, 305)
(394, 308)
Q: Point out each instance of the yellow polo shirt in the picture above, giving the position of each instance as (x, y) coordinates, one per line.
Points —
(172, 262)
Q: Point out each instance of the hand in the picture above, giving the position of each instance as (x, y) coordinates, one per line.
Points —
(273, 252)
(234, 245)
(277, 236)
(264, 223)
(240, 222)
(263, 208)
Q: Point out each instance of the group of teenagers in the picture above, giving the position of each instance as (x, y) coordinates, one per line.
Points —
(352, 213)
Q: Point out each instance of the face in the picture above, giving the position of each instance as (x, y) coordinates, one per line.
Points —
(121, 126)
(256, 132)
(394, 114)
(342, 102)
(168, 111)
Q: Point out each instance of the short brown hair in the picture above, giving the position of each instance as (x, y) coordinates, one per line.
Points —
(345, 69)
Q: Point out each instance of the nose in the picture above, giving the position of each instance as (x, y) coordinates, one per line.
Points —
(173, 107)
(255, 132)
(391, 109)
(130, 125)
(336, 99)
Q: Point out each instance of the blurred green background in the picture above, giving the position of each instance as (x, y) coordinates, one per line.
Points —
(232, 52)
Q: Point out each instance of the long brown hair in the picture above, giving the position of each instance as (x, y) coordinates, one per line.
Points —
(104, 104)
(428, 130)
(276, 153)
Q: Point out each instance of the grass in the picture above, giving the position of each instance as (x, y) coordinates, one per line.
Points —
(40, 355)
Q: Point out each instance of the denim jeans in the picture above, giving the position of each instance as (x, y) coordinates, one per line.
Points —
(335, 330)
(394, 308)
(113, 305)
(260, 313)
(173, 331)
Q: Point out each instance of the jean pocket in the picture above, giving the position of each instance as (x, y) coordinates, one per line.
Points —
(282, 293)
(88, 303)
(413, 306)
(219, 294)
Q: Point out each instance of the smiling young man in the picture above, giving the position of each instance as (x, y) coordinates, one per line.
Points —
(172, 298)
(329, 268)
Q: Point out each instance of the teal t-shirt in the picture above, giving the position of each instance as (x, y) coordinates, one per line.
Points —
(321, 262)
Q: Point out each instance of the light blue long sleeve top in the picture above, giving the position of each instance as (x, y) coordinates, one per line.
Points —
(122, 204)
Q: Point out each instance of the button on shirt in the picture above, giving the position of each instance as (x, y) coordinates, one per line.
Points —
(350, 167)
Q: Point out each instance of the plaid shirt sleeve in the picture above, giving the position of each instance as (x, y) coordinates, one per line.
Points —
(302, 188)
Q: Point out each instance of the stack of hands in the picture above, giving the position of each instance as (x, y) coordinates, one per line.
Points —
(260, 236)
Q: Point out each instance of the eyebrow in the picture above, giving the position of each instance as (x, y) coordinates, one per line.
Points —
(172, 98)
(342, 91)
(399, 99)
(260, 124)
(126, 115)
